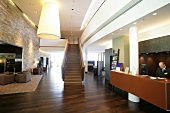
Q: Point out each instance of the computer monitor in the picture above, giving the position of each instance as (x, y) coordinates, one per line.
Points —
(143, 69)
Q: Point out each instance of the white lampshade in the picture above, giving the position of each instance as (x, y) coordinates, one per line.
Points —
(49, 24)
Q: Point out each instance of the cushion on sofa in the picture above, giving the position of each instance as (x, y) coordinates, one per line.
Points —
(6, 78)
(23, 77)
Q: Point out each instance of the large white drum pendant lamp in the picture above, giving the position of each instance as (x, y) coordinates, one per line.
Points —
(49, 23)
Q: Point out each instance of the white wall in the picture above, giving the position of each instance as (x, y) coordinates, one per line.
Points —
(108, 9)
(155, 33)
(73, 41)
(122, 43)
(57, 59)
(57, 42)
(143, 8)
(93, 57)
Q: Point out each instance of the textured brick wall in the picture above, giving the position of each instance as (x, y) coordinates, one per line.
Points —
(17, 30)
(160, 44)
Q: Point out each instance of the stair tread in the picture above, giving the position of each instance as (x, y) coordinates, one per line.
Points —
(72, 78)
(68, 72)
(73, 82)
(79, 74)
(72, 73)
(74, 69)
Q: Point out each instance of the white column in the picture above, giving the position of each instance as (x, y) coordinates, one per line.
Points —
(86, 62)
(134, 57)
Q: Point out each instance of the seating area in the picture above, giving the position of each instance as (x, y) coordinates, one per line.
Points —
(36, 71)
(39, 70)
(23, 77)
(8, 77)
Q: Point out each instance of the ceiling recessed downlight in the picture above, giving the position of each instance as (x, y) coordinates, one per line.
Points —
(154, 14)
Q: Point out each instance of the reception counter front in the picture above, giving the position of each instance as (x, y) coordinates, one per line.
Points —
(155, 91)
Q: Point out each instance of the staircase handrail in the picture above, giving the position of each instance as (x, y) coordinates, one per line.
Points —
(81, 60)
(64, 59)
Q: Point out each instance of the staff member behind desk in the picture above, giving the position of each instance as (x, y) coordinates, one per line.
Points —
(163, 71)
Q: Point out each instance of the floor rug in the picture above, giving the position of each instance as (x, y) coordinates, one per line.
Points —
(21, 87)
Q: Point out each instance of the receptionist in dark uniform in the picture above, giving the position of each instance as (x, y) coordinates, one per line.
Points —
(163, 71)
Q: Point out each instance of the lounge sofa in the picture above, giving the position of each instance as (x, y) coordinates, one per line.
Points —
(7, 78)
(23, 77)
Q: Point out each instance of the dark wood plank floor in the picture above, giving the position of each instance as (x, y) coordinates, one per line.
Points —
(51, 96)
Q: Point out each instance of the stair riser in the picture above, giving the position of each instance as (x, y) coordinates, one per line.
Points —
(72, 84)
(75, 62)
(73, 81)
(73, 67)
(73, 52)
(76, 74)
(72, 71)
(74, 58)
(72, 63)
(72, 77)
(72, 74)
(68, 70)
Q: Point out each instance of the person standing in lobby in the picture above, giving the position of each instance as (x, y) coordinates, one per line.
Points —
(163, 71)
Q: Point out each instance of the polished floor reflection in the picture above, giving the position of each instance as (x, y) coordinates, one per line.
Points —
(51, 96)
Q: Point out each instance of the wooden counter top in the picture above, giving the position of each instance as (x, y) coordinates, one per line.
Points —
(155, 91)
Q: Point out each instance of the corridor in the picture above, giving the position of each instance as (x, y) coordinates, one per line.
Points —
(51, 96)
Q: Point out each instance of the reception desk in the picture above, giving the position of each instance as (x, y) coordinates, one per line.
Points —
(155, 91)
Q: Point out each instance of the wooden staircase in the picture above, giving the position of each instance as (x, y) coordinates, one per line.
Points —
(72, 74)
